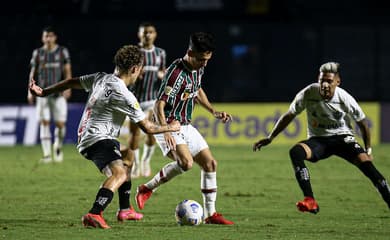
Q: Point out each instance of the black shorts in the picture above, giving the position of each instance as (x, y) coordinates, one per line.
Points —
(103, 152)
(344, 146)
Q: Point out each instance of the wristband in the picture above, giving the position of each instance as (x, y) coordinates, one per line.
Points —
(369, 151)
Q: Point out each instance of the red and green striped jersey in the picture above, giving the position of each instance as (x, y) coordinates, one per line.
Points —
(179, 89)
(49, 64)
(146, 87)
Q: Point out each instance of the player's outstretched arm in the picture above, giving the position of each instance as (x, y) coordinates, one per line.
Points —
(366, 136)
(152, 128)
(280, 125)
(55, 88)
(160, 118)
(203, 100)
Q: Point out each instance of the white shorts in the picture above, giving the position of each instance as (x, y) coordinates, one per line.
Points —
(56, 106)
(187, 135)
(147, 105)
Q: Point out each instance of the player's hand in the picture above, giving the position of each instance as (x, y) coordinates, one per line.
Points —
(67, 94)
(224, 116)
(35, 90)
(171, 143)
(174, 126)
(261, 143)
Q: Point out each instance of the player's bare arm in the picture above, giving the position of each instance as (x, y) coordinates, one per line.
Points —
(160, 117)
(366, 136)
(30, 97)
(203, 100)
(152, 128)
(55, 88)
(68, 74)
(280, 125)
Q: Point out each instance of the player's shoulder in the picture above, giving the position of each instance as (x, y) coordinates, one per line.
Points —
(115, 83)
(159, 49)
(343, 94)
(62, 48)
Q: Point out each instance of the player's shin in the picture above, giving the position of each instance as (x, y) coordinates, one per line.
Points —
(168, 172)
(208, 185)
(135, 171)
(377, 179)
(298, 156)
(59, 134)
(124, 195)
(45, 136)
(103, 198)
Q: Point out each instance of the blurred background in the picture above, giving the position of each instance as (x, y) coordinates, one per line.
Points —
(267, 50)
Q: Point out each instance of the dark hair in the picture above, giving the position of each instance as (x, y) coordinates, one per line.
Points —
(127, 57)
(202, 42)
(49, 29)
(146, 24)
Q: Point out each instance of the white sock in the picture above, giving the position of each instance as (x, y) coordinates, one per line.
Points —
(208, 185)
(147, 153)
(136, 157)
(45, 136)
(59, 134)
(166, 173)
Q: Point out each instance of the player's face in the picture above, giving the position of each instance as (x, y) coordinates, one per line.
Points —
(328, 83)
(199, 59)
(147, 35)
(49, 38)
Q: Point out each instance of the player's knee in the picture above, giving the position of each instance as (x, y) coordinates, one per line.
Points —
(210, 166)
(186, 165)
(297, 153)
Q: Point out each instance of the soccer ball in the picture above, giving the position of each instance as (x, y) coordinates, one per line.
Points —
(189, 212)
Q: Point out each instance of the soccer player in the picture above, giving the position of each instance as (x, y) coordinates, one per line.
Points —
(49, 64)
(180, 90)
(108, 104)
(145, 90)
(330, 110)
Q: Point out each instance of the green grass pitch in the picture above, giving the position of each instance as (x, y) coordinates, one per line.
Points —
(256, 190)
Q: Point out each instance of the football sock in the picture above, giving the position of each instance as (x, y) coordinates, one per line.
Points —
(298, 156)
(59, 134)
(166, 173)
(377, 179)
(208, 186)
(103, 198)
(124, 195)
(147, 153)
(136, 158)
(45, 136)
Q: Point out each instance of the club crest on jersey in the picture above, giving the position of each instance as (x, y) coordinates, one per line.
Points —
(187, 94)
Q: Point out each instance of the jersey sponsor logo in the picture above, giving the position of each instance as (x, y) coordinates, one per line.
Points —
(151, 68)
(51, 65)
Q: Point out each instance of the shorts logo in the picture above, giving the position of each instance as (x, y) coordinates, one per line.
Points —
(357, 146)
(349, 139)
(117, 151)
